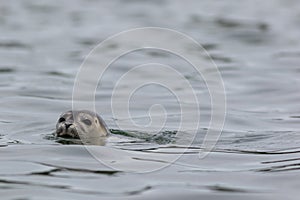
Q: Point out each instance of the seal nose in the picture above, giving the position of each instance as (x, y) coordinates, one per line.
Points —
(68, 125)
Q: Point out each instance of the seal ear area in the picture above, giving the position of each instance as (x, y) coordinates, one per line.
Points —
(100, 122)
(97, 120)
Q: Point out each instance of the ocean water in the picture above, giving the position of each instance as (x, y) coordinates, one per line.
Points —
(254, 44)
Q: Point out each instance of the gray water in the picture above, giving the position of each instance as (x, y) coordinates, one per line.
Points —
(256, 47)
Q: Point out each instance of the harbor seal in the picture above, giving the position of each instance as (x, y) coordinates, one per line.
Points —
(81, 124)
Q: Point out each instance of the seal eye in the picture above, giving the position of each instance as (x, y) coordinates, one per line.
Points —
(61, 120)
(87, 122)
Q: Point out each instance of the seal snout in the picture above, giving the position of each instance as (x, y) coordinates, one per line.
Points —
(68, 125)
(66, 128)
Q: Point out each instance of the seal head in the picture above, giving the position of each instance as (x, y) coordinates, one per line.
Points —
(81, 124)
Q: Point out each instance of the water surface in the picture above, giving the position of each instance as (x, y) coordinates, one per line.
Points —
(256, 46)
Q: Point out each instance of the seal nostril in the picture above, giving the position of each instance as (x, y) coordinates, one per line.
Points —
(68, 125)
